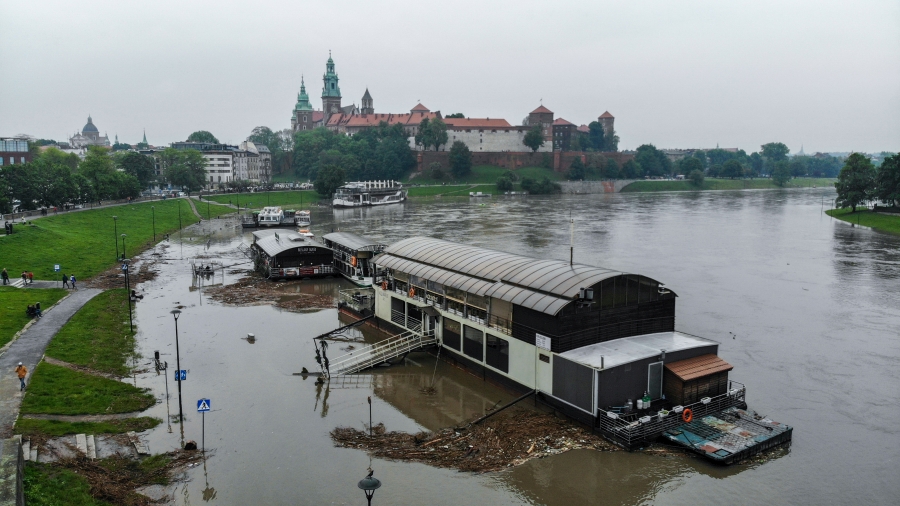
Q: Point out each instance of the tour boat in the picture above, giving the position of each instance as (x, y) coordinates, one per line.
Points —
(270, 217)
(302, 219)
(369, 193)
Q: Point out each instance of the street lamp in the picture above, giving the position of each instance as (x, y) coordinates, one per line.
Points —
(369, 485)
(153, 208)
(123, 246)
(116, 234)
(176, 313)
(128, 292)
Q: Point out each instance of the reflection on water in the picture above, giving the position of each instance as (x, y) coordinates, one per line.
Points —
(812, 303)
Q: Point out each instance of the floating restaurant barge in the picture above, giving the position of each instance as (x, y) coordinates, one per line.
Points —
(353, 255)
(290, 256)
(369, 193)
(586, 340)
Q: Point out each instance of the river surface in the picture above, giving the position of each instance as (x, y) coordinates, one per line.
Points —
(805, 307)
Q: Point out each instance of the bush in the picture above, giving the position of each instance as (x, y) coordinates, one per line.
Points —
(437, 170)
(696, 177)
(542, 187)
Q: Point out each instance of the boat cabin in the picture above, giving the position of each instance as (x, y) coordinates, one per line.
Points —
(289, 255)
(270, 217)
(353, 255)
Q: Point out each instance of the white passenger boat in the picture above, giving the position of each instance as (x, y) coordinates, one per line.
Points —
(369, 193)
(270, 217)
(303, 219)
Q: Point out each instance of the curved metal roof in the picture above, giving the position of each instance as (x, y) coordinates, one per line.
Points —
(542, 285)
(353, 241)
(274, 245)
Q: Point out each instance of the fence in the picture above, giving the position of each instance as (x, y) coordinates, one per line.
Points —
(633, 430)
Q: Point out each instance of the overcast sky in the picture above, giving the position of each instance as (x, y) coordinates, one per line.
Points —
(824, 74)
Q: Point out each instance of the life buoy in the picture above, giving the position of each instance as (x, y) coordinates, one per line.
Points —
(687, 415)
(412, 292)
(353, 261)
(384, 285)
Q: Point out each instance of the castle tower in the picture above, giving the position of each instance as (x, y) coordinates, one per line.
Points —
(302, 119)
(331, 92)
(606, 121)
(368, 105)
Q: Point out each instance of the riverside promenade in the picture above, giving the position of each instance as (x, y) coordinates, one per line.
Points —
(29, 349)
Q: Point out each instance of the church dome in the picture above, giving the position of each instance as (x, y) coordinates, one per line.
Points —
(90, 127)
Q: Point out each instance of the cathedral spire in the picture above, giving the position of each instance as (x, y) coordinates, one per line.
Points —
(145, 136)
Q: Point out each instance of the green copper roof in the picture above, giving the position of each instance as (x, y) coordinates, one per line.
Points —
(303, 99)
(330, 86)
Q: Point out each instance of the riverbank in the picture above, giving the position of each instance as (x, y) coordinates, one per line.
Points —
(883, 222)
(724, 184)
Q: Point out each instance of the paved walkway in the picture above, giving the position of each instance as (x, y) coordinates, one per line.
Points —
(29, 349)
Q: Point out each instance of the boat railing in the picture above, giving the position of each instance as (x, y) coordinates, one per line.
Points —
(643, 426)
(360, 299)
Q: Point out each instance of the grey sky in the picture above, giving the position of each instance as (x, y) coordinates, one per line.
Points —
(674, 73)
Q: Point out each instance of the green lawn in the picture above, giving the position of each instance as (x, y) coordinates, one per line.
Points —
(212, 210)
(84, 243)
(13, 302)
(867, 218)
(723, 184)
(98, 336)
(47, 485)
(57, 390)
(298, 199)
(55, 428)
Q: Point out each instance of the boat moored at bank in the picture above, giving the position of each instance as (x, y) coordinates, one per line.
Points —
(354, 255)
(369, 193)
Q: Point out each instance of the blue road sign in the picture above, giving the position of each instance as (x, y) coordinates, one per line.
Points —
(203, 405)
(124, 267)
(56, 267)
(181, 375)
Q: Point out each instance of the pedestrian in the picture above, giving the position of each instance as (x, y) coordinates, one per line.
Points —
(24, 278)
(65, 281)
(21, 372)
(30, 278)
(5, 276)
(37, 310)
(72, 280)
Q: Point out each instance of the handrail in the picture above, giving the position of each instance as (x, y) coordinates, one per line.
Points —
(382, 351)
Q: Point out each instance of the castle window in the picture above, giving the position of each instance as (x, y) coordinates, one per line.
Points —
(304, 118)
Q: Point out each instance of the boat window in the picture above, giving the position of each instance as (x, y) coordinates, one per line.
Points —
(417, 282)
(401, 276)
(456, 307)
(453, 293)
(497, 353)
(649, 291)
(633, 290)
(435, 287)
(476, 301)
(473, 343)
(452, 334)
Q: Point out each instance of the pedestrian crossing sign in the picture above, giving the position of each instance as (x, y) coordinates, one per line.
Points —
(56, 267)
(203, 405)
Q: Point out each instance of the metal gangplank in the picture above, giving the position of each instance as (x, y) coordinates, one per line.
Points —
(380, 352)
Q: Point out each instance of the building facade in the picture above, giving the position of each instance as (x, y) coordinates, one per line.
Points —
(219, 161)
(14, 151)
(89, 136)
(303, 116)
(331, 92)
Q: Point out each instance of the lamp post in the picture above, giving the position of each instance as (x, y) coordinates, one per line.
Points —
(128, 293)
(123, 246)
(176, 313)
(369, 485)
(116, 234)
(153, 208)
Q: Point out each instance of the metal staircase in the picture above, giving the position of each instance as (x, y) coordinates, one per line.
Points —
(380, 352)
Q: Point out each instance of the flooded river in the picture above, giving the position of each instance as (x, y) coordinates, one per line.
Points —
(806, 308)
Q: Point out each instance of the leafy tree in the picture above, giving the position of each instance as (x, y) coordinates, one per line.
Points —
(84, 189)
(437, 134)
(99, 168)
(460, 159)
(611, 171)
(689, 164)
(421, 137)
(456, 115)
(534, 139)
(756, 162)
(53, 156)
(856, 182)
(596, 136)
(138, 165)
(202, 136)
(731, 169)
(781, 173)
(631, 170)
(546, 160)
(775, 151)
(576, 170)
(121, 146)
(701, 155)
(505, 182)
(436, 170)
(542, 187)
(696, 177)
(653, 161)
(798, 166)
(579, 141)
(611, 141)
(887, 181)
(184, 168)
(329, 179)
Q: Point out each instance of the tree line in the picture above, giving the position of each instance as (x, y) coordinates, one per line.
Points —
(859, 181)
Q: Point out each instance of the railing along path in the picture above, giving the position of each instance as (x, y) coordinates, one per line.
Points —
(380, 352)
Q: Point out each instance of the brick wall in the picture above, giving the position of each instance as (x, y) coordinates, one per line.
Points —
(513, 160)
(562, 160)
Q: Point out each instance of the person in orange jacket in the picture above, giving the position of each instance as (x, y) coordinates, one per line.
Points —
(21, 371)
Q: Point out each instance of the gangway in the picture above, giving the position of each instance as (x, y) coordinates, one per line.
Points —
(380, 352)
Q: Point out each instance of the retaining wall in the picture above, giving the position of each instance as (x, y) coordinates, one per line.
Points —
(12, 471)
(611, 186)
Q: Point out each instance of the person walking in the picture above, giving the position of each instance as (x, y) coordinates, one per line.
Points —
(65, 281)
(24, 278)
(21, 372)
(5, 276)
(72, 280)
(30, 278)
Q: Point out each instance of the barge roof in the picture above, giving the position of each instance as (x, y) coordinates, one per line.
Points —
(632, 349)
(353, 241)
(543, 285)
(276, 243)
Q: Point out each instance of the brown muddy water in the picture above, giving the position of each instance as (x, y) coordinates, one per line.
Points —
(806, 308)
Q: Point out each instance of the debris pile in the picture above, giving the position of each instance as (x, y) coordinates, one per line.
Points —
(502, 441)
(254, 290)
(114, 278)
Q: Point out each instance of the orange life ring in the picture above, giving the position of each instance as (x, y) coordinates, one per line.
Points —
(384, 285)
(412, 292)
(687, 415)
(353, 261)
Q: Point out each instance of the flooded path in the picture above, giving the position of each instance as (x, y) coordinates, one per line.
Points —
(805, 308)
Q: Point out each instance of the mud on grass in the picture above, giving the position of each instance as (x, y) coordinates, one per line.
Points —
(502, 441)
(254, 290)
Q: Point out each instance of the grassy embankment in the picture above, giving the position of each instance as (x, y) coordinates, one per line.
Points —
(868, 218)
(80, 241)
(97, 337)
(46, 485)
(723, 184)
(13, 302)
